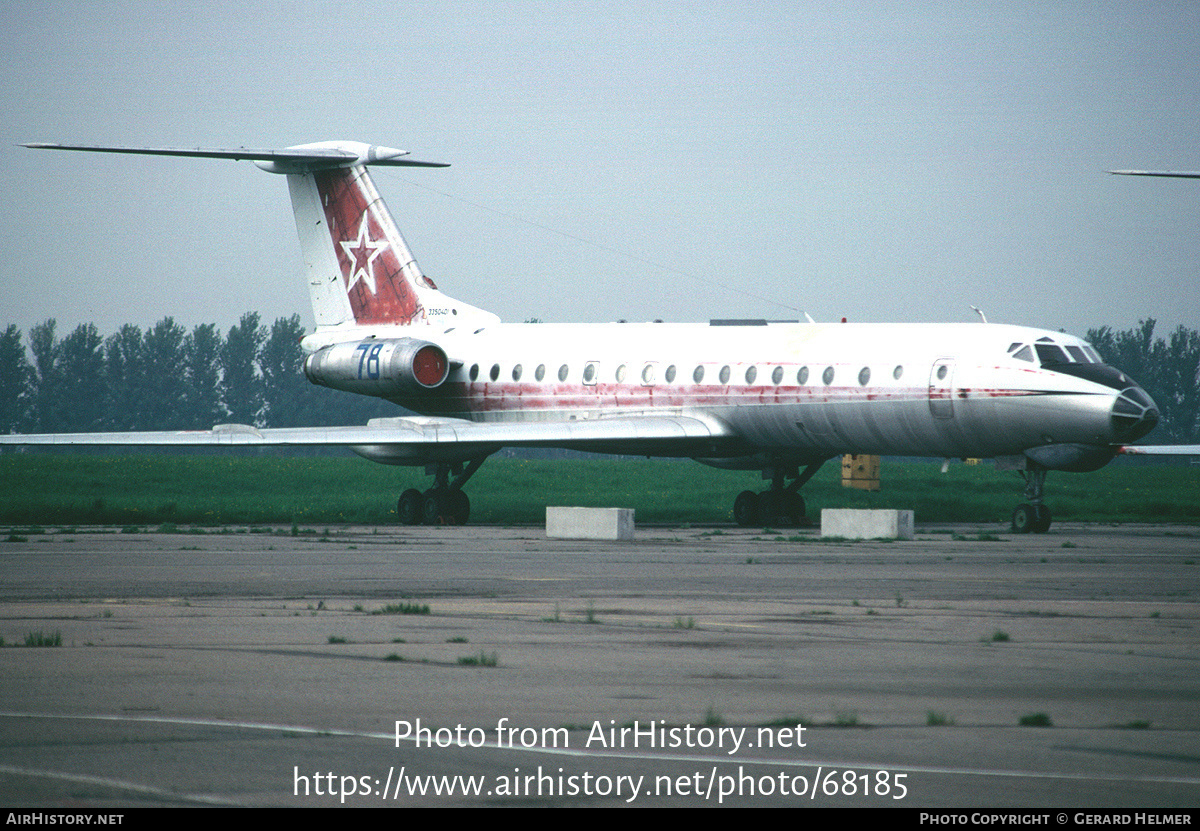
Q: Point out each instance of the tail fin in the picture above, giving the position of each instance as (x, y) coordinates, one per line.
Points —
(360, 270)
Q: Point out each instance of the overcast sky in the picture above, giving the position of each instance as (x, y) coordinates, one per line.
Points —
(879, 161)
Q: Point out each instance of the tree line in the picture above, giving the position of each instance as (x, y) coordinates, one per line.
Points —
(167, 378)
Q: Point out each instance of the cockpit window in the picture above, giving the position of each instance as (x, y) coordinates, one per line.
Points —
(1049, 354)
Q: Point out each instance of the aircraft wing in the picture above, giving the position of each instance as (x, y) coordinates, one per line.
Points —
(1170, 174)
(409, 437)
(1161, 449)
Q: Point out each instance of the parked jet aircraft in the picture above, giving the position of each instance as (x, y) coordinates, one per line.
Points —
(779, 397)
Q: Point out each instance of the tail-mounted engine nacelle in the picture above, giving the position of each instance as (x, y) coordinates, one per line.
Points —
(400, 366)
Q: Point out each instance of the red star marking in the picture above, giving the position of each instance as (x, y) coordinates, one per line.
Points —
(362, 253)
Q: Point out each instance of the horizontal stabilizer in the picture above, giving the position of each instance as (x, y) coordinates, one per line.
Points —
(316, 156)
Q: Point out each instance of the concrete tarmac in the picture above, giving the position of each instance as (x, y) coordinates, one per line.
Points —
(263, 668)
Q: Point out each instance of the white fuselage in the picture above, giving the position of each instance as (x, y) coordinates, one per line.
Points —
(812, 389)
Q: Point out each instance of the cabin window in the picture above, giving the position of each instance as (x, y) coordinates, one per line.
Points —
(648, 374)
(897, 372)
(474, 373)
(589, 374)
(724, 376)
(942, 370)
(562, 372)
(864, 376)
(827, 375)
(670, 375)
(698, 375)
(802, 376)
(540, 373)
(751, 374)
(517, 372)
(495, 373)
(621, 373)
(777, 376)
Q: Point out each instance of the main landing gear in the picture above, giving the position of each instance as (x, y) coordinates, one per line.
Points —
(443, 504)
(782, 504)
(1032, 516)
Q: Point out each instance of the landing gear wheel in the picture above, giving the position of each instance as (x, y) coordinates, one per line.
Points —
(771, 508)
(796, 510)
(1032, 516)
(1024, 519)
(443, 504)
(1042, 523)
(1031, 519)
(781, 505)
(458, 508)
(745, 509)
(433, 507)
(408, 508)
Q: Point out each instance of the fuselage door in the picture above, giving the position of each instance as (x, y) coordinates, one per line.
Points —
(941, 388)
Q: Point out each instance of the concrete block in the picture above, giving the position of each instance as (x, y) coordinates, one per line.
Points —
(589, 523)
(856, 524)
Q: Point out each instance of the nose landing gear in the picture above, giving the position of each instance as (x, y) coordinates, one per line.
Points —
(1032, 516)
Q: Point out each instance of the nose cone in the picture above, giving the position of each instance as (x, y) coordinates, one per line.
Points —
(1134, 414)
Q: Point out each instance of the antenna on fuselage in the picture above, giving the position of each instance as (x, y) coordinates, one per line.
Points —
(979, 312)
